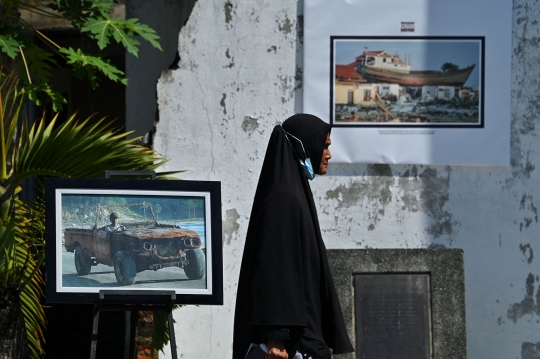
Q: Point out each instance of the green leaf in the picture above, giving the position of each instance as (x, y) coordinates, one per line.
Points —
(32, 91)
(21, 254)
(103, 29)
(29, 256)
(123, 31)
(103, 5)
(70, 141)
(9, 45)
(75, 11)
(39, 64)
(145, 32)
(85, 65)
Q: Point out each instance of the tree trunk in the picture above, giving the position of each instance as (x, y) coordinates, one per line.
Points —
(13, 339)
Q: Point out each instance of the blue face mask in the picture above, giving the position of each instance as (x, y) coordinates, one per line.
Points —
(307, 168)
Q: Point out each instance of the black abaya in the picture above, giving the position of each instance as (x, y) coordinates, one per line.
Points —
(285, 280)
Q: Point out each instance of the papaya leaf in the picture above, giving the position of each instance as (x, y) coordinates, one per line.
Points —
(32, 91)
(123, 31)
(144, 31)
(75, 11)
(103, 5)
(39, 64)
(85, 65)
(9, 45)
(104, 28)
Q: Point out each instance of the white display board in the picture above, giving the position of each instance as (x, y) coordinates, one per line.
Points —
(411, 82)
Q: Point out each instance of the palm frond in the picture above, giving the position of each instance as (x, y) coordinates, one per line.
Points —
(76, 149)
(20, 260)
(30, 229)
(10, 106)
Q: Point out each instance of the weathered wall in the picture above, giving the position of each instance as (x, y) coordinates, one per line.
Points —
(240, 73)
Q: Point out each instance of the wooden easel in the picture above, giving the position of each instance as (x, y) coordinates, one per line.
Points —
(106, 301)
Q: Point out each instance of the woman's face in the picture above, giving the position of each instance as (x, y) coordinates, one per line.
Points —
(323, 167)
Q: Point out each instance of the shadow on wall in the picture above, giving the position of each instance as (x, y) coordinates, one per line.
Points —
(166, 17)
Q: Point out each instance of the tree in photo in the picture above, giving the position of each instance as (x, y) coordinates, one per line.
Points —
(448, 67)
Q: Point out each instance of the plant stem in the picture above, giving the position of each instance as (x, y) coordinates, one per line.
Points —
(25, 65)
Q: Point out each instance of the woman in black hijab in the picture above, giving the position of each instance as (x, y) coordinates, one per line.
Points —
(286, 295)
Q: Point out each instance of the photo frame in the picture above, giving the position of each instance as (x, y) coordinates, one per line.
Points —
(407, 81)
(145, 237)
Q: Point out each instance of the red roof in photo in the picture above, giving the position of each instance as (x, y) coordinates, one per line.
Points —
(344, 72)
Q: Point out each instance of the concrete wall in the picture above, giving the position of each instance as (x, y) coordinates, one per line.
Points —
(241, 72)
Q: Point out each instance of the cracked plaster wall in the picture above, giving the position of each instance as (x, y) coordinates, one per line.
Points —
(241, 72)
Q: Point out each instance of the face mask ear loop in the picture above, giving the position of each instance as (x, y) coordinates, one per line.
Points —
(307, 168)
(301, 144)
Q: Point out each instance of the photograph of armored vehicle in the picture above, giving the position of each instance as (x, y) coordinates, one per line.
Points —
(133, 243)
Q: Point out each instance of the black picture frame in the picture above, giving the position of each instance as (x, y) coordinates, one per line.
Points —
(425, 86)
(80, 204)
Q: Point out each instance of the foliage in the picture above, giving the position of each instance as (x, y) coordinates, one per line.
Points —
(160, 335)
(86, 65)
(71, 149)
(21, 228)
(194, 204)
(448, 66)
(30, 225)
(123, 31)
(92, 18)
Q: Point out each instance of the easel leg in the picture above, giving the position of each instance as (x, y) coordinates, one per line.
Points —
(127, 334)
(94, 333)
(172, 337)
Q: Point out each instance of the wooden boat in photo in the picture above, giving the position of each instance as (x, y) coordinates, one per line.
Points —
(418, 78)
(383, 67)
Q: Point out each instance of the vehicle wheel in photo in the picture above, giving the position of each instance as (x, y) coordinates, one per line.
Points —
(125, 268)
(82, 262)
(197, 264)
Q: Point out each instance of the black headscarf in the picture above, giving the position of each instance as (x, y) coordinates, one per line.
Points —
(285, 280)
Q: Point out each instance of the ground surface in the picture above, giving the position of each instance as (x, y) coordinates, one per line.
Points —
(103, 276)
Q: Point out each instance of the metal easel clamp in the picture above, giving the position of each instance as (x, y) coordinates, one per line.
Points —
(109, 173)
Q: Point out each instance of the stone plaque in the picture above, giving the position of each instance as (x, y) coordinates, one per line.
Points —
(392, 316)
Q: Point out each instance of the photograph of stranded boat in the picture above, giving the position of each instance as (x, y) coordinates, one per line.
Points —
(407, 81)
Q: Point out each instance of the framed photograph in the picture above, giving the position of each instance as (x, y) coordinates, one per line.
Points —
(407, 81)
(141, 236)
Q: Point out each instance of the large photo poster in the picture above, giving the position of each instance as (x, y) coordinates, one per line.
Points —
(417, 82)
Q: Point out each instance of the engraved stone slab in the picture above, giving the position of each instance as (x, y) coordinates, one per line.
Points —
(447, 282)
(393, 316)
